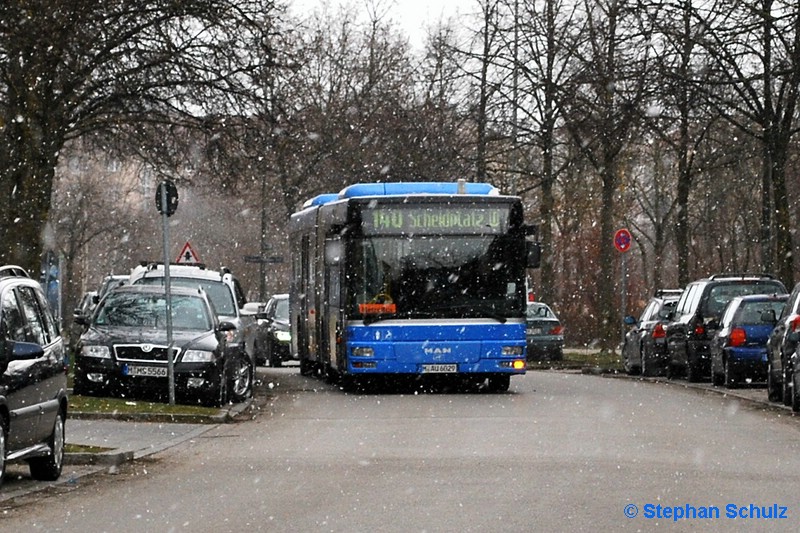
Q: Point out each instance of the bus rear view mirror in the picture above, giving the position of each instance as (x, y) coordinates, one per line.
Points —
(534, 252)
(333, 251)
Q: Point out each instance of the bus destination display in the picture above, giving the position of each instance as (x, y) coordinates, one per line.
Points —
(434, 219)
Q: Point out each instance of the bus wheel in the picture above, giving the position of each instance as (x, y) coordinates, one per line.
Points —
(499, 383)
(348, 383)
(331, 375)
(306, 367)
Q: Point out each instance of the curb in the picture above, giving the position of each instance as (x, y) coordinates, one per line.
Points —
(114, 457)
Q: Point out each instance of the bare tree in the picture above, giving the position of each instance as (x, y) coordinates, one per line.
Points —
(68, 68)
(608, 89)
(756, 49)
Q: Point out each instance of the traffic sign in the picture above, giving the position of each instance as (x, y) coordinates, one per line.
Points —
(622, 240)
(188, 255)
(167, 198)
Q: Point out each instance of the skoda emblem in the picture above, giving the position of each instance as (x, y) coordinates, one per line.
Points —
(147, 348)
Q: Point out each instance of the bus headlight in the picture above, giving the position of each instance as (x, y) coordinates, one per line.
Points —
(283, 336)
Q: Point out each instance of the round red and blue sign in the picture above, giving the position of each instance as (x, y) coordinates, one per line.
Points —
(622, 240)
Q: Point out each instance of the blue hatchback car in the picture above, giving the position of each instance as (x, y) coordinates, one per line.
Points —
(739, 349)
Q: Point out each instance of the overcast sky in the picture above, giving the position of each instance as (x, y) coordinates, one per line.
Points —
(412, 15)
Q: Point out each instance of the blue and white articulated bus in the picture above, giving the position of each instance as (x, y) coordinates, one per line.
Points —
(411, 279)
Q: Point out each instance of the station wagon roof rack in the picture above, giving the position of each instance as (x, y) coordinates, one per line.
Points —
(152, 265)
(666, 292)
(742, 275)
(13, 271)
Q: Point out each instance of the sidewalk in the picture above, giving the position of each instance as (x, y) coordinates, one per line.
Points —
(123, 440)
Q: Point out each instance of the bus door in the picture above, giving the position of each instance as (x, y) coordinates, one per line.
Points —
(332, 316)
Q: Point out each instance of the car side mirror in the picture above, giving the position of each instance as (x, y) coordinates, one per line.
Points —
(81, 319)
(793, 336)
(629, 320)
(227, 326)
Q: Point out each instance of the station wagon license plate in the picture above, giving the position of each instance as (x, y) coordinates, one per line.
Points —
(145, 371)
(439, 369)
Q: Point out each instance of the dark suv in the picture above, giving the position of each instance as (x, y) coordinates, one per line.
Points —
(33, 378)
(696, 319)
(781, 345)
(227, 296)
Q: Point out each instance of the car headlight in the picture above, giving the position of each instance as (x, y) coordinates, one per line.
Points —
(94, 350)
(283, 336)
(197, 356)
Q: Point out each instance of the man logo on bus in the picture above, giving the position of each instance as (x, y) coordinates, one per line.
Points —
(437, 351)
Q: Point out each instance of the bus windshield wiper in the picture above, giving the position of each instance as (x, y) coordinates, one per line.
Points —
(371, 319)
(483, 310)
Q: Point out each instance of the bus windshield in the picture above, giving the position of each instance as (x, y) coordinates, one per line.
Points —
(436, 276)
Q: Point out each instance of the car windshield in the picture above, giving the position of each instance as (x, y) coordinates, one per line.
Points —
(282, 309)
(539, 311)
(150, 311)
(219, 293)
(720, 295)
(751, 313)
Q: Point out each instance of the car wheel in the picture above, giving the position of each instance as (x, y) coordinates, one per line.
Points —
(306, 367)
(48, 468)
(275, 360)
(499, 383)
(795, 393)
(692, 372)
(717, 378)
(219, 395)
(3, 441)
(730, 377)
(786, 386)
(773, 389)
(241, 379)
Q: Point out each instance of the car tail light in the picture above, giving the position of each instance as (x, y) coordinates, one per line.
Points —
(737, 337)
(699, 329)
(556, 330)
(659, 332)
(794, 325)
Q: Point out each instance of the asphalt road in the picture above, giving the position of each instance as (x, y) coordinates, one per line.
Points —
(560, 451)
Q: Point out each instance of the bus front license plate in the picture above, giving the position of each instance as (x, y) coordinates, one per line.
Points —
(439, 369)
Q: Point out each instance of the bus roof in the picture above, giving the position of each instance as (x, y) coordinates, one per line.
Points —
(404, 189)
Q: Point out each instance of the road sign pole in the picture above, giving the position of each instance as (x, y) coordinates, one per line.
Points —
(624, 285)
(170, 363)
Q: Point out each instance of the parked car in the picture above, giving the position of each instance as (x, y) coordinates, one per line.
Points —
(278, 333)
(84, 308)
(124, 351)
(644, 348)
(781, 346)
(544, 333)
(228, 299)
(111, 281)
(33, 378)
(696, 319)
(739, 348)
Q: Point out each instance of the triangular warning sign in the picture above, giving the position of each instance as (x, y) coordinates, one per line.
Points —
(187, 255)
